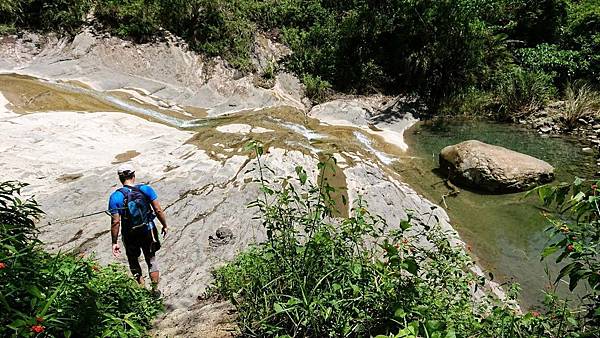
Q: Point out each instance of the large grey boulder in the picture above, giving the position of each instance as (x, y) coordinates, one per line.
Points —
(492, 168)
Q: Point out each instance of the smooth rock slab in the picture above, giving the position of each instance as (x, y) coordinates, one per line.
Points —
(492, 168)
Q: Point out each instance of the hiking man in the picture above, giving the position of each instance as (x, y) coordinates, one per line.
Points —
(133, 209)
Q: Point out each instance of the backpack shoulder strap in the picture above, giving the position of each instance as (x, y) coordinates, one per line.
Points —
(137, 188)
(123, 191)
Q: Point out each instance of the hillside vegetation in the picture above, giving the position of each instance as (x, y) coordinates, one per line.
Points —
(492, 56)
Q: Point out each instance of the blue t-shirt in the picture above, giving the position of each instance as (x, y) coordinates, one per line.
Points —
(116, 200)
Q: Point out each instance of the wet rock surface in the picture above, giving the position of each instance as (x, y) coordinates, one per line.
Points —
(492, 168)
(165, 70)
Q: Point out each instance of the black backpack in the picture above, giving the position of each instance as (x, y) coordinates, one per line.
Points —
(138, 212)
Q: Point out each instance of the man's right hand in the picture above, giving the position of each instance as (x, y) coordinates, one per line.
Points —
(116, 249)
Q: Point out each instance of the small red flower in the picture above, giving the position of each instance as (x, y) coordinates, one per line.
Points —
(37, 329)
(2, 265)
(535, 313)
(594, 187)
(39, 319)
(404, 241)
(570, 247)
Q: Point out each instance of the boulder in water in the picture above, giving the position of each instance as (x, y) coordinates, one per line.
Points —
(492, 168)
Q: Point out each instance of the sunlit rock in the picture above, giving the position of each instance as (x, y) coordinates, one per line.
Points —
(492, 168)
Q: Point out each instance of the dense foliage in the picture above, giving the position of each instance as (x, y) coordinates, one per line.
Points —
(60, 15)
(317, 276)
(61, 295)
(479, 55)
(577, 240)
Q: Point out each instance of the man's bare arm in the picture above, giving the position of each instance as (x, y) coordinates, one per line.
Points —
(115, 225)
(160, 214)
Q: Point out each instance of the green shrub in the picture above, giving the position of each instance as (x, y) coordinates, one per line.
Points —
(520, 92)
(472, 102)
(534, 22)
(582, 33)
(65, 16)
(314, 278)
(10, 11)
(215, 27)
(136, 19)
(550, 59)
(441, 51)
(317, 89)
(61, 295)
(576, 240)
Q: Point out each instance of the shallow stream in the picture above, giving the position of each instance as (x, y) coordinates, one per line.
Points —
(505, 232)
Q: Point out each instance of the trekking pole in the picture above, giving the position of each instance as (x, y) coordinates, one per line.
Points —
(58, 221)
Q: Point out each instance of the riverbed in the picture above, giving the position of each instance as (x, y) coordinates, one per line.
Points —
(505, 233)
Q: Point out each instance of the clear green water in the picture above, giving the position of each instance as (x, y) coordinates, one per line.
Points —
(504, 232)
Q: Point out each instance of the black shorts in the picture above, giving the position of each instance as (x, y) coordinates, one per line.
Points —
(137, 242)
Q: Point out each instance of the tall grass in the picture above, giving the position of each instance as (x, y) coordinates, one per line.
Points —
(581, 102)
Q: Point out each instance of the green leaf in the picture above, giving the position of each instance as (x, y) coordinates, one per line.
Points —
(34, 291)
(572, 321)
(356, 269)
(249, 146)
(579, 197)
(266, 190)
(51, 299)
(17, 324)
(399, 313)
(433, 325)
(302, 176)
(405, 224)
(278, 308)
(549, 250)
(136, 328)
(411, 266)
